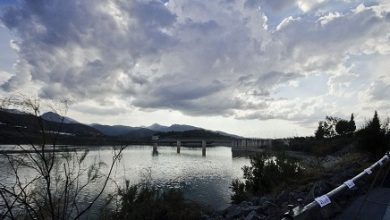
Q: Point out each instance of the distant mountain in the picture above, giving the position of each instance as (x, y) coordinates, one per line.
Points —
(14, 111)
(227, 134)
(12, 120)
(54, 117)
(177, 127)
(14, 126)
(157, 127)
(193, 134)
(122, 131)
(113, 130)
(174, 127)
(139, 133)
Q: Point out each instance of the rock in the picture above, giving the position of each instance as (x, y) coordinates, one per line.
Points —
(283, 197)
(246, 203)
(252, 216)
(232, 212)
(247, 209)
(262, 200)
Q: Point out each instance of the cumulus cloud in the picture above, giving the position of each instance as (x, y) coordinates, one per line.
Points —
(198, 57)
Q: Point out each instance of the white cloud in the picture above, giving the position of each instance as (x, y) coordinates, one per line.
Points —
(306, 5)
(199, 58)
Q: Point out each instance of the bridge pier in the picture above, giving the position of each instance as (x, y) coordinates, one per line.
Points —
(155, 144)
(178, 144)
(203, 148)
(155, 152)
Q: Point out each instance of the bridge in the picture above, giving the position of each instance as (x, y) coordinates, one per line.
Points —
(251, 143)
(236, 143)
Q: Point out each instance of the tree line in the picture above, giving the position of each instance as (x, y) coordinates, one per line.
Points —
(372, 137)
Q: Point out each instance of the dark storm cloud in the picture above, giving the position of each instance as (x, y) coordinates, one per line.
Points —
(84, 47)
(197, 57)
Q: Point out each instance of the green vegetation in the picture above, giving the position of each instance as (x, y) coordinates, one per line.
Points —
(320, 147)
(334, 134)
(374, 137)
(344, 127)
(265, 174)
(333, 126)
(146, 202)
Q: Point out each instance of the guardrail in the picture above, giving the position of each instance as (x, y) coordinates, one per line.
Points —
(300, 212)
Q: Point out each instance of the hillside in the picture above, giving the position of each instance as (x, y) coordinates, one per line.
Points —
(18, 127)
(21, 128)
(192, 134)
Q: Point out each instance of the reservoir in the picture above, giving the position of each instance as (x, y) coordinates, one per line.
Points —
(205, 179)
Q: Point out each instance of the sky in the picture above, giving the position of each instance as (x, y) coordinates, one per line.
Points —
(256, 68)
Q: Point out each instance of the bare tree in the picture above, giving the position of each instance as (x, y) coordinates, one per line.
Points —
(43, 181)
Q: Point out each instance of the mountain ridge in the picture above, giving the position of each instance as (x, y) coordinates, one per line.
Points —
(121, 131)
(54, 117)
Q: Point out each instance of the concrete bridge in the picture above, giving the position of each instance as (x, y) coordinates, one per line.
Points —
(250, 143)
(187, 142)
(239, 144)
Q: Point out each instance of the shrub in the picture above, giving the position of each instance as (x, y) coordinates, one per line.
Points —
(147, 202)
(321, 147)
(265, 174)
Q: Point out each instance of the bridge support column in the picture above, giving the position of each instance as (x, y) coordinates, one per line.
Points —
(203, 148)
(178, 144)
(155, 148)
(155, 144)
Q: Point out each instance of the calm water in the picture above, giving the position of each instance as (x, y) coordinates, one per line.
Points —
(203, 179)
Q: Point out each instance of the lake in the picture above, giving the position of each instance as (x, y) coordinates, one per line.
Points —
(205, 179)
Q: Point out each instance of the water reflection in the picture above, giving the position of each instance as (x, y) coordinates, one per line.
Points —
(202, 178)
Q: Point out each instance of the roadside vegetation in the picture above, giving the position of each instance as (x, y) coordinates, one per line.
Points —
(373, 137)
(270, 173)
(144, 201)
(266, 174)
(334, 134)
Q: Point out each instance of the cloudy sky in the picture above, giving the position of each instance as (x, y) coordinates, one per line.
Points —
(260, 68)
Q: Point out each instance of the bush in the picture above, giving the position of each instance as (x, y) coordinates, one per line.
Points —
(320, 147)
(265, 174)
(147, 202)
